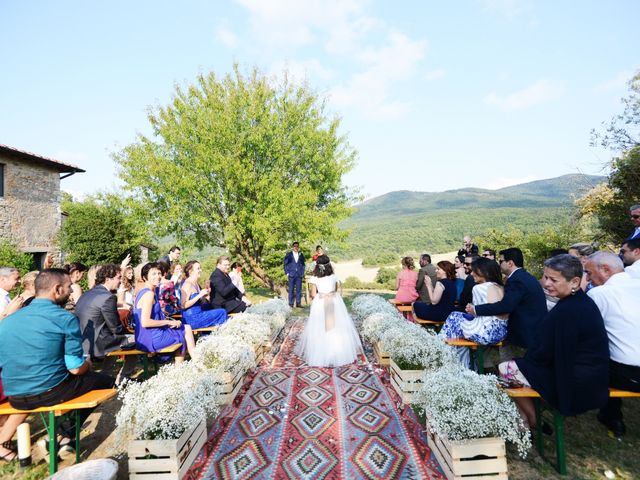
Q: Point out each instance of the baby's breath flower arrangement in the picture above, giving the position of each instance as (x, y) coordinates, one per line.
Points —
(274, 307)
(168, 404)
(459, 404)
(253, 329)
(415, 348)
(365, 305)
(374, 325)
(217, 352)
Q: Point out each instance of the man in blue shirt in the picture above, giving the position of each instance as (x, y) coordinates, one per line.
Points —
(41, 350)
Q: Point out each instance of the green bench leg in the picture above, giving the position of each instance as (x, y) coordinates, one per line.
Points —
(76, 415)
(145, 366)
(480, 360)
(561, 460)
(53, 443)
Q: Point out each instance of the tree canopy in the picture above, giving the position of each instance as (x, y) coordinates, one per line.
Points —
(242, 162)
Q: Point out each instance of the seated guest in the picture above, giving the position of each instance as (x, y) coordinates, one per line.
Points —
(466, 294)
(630, 253)
(224, 294)
(126, 289)
(154, 331)
(568, 366)
(443, 295)
(76, 271)
(196, 311)
(488, 288)
(9, 279)
(617, 295)
(235, 274)
(468, 247)
(427, 273)
(166, 291)
(458, 263)
(489, 253)
(41, 350)
(523, 301)
(406, 282)
(102, 330)
(582, 251)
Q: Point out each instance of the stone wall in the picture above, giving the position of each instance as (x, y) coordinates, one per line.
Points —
(30, 209)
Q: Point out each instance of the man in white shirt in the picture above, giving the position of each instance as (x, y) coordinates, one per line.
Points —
(9, 278)
(617, 296)
(630, 253)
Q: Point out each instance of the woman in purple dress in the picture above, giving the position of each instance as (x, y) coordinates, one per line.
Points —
(196, 311)
(154, 331)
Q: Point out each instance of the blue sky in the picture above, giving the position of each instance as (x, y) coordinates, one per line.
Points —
(433, 95)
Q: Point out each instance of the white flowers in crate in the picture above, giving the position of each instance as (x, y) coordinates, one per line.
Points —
(375, 324)
(218, 352)
(459, 404)
(276, 311)
(365, 305)
(411, 345)
(168, 404)
(253, 329)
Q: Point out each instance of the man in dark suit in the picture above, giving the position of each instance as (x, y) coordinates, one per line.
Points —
(224, 294)
(427, 273)
(523, 300)
(102, 331)
(294, 269)
(172, 257)
(634, 214)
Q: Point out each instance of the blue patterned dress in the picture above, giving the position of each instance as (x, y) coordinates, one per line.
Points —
(201, 314)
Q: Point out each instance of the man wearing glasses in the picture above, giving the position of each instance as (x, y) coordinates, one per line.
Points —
(490, 254)
(466, 295)
(634, 213)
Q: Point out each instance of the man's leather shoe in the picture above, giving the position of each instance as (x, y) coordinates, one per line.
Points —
(616, 427)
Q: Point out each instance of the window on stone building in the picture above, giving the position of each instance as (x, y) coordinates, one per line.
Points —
(1, 179)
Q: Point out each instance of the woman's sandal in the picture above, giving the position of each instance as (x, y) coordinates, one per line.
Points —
(12, 455)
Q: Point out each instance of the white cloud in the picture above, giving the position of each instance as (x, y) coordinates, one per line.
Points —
(616, 83)
(498, 183)
(300, 71)
(225, 36)
(539, 92)
(435, 74)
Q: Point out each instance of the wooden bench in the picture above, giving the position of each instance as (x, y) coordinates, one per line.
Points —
(477, 350)
(144, 355)
(436, 324)
(558, 421)
(88, 400)
(405, 308)
(205, 330)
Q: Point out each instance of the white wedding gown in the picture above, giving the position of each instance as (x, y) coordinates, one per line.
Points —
(329, 339)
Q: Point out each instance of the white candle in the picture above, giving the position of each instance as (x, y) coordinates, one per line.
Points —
(24, 444)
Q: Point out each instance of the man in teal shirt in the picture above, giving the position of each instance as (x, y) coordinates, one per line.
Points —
(41, 349)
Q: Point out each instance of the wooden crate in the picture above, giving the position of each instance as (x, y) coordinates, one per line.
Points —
(231, 386)
(381, 356)
(260, 352)
(405, 382)
(476, 459)
(166, 459)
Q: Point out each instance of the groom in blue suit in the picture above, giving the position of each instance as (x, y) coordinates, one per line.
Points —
(523, 300)
(294, 269)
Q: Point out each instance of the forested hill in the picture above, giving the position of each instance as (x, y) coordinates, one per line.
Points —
(405, 222)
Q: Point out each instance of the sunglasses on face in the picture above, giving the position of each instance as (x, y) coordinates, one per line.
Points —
(486, 254)
(635, 217)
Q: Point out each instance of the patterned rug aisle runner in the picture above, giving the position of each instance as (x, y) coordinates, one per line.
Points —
(292, 421)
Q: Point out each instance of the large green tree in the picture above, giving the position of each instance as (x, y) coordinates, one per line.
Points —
(609, 203)
(243, 162)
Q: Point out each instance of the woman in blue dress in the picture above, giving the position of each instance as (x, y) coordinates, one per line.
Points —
(196, 311)
(153, 330)
(443, 295)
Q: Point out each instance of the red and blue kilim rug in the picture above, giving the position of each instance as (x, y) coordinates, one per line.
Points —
(299, 422)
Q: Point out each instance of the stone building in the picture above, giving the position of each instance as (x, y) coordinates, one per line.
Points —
(30, 215)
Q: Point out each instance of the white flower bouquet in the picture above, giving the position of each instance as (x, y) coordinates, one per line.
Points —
(275, 306)
(253, 329)
(365, 305)
(219, 352)
(168, 404)
(415, 348)
(374, 325)
(459, 404)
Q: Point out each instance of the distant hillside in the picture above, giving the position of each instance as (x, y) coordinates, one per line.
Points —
(404, 222)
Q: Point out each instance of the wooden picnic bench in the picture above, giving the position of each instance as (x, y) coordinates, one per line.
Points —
(89, 400)
(477, 350)
(144, 355)
(205, 330)
(436, 324)
(558, 421)
(405, 308)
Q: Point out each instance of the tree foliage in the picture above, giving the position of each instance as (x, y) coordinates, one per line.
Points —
(10, 256)
(243, 163)
(99, 230)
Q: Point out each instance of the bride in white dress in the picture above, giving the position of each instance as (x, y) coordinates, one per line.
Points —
(329, 338)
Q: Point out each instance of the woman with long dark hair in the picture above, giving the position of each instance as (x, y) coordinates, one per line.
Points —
(443, 295)
(196, 310)
(329, 338)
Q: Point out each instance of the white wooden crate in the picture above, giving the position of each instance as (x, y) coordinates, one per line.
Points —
(231, 386)
(166, 459)
(459, 459)
(381, 356)
(405, 382)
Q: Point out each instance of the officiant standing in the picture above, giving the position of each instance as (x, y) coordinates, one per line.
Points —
(294, 269)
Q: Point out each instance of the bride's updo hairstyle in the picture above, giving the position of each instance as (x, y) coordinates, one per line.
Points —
(323, 267)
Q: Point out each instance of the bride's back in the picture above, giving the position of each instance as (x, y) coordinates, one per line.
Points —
(326, 284)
